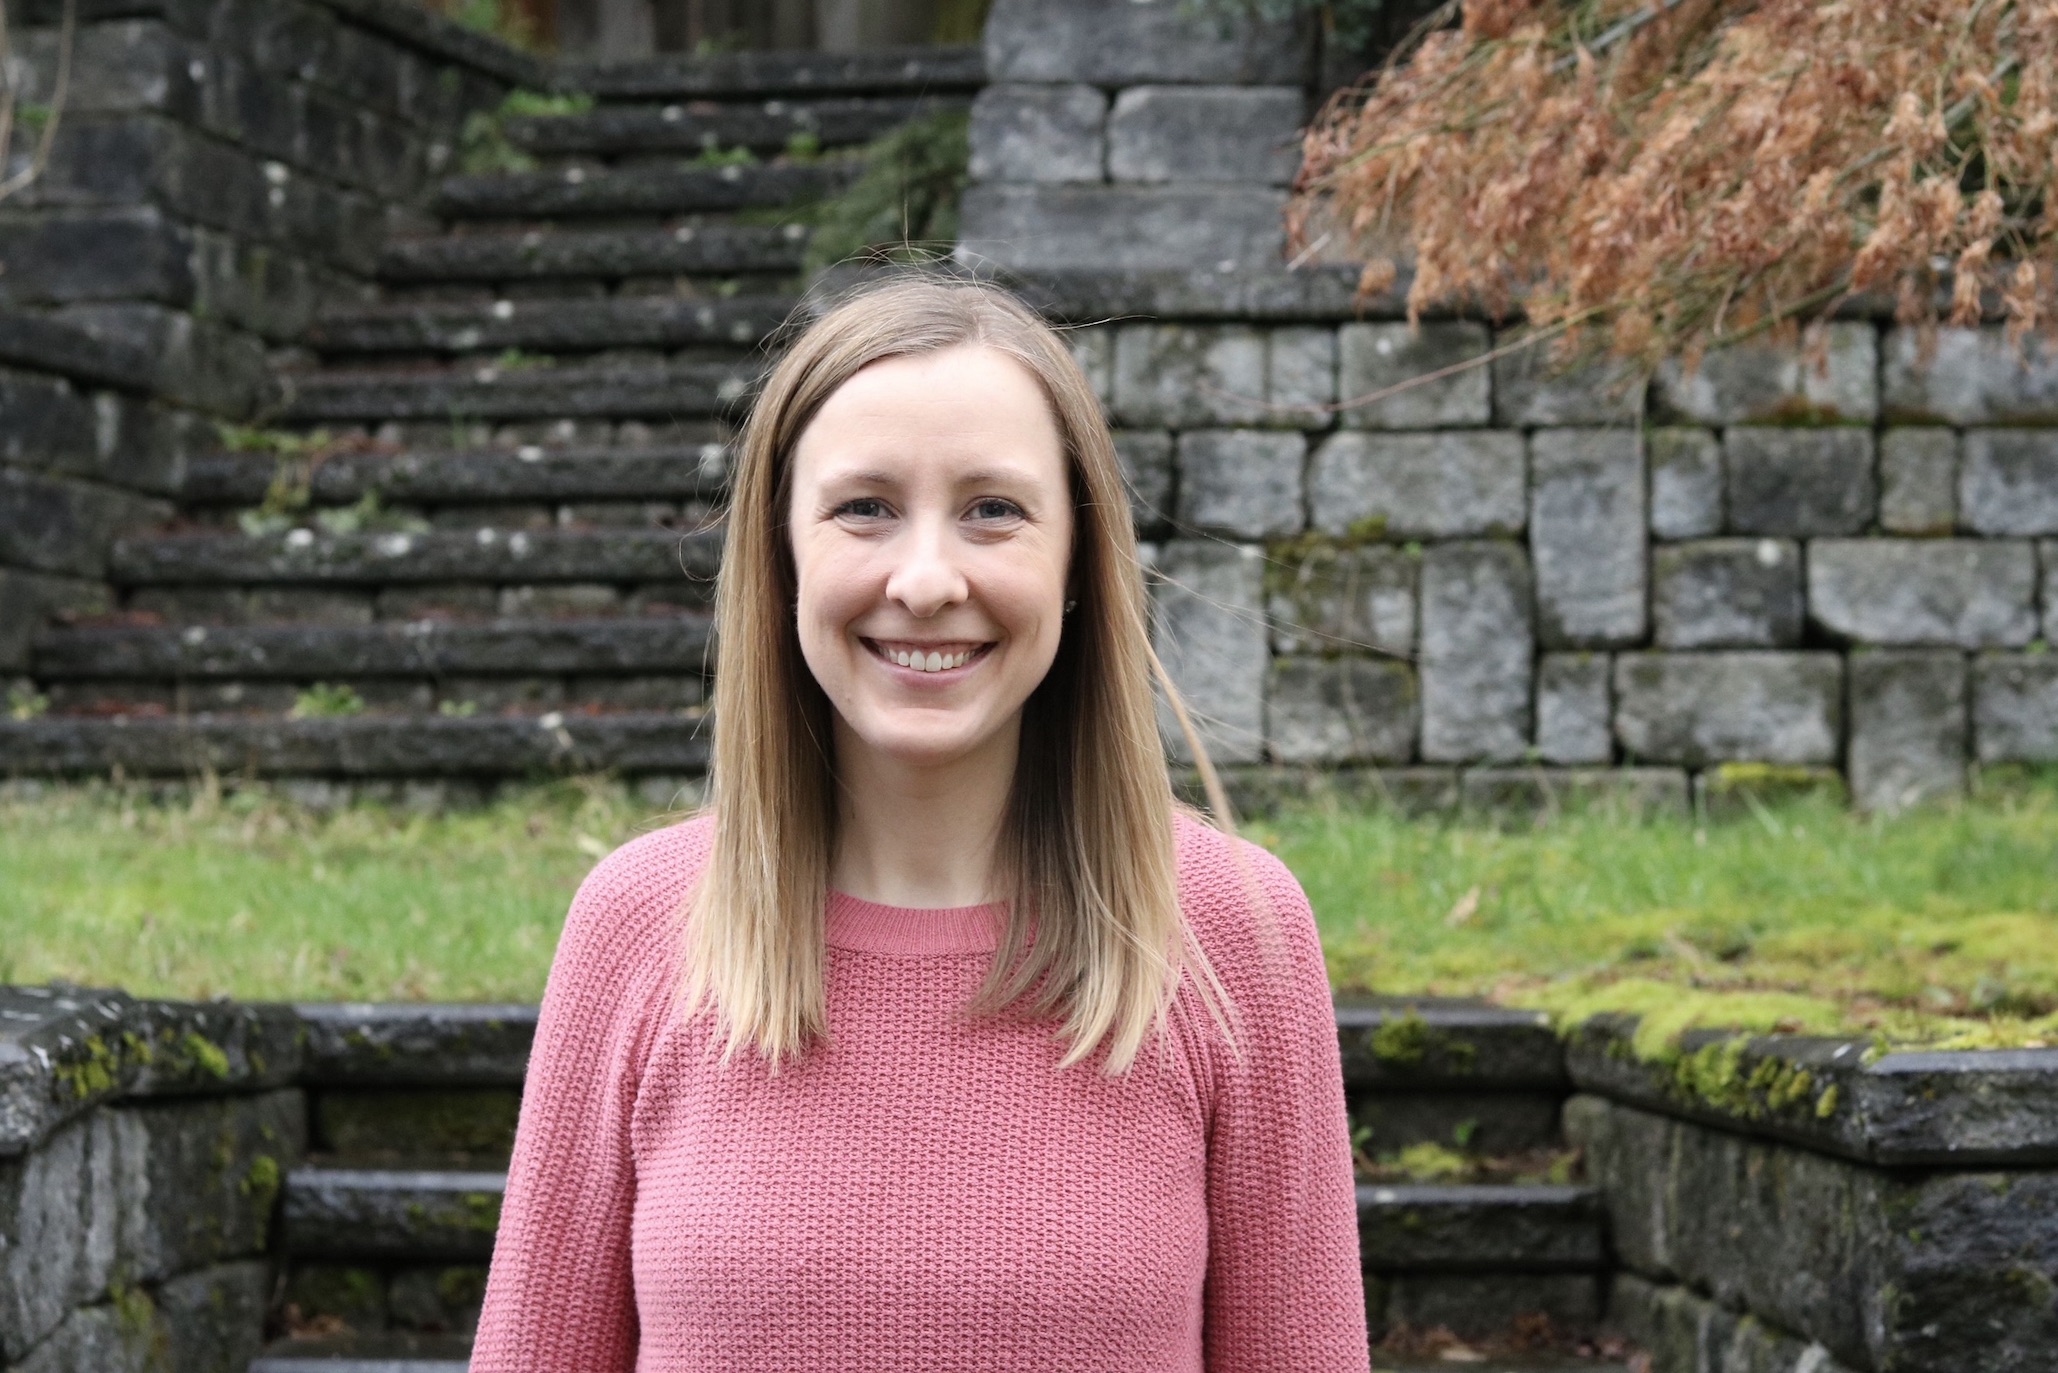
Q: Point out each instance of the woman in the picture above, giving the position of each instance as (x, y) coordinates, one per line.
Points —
(940, 1042)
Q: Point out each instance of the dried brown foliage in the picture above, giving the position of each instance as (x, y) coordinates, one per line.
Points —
(1658, 177)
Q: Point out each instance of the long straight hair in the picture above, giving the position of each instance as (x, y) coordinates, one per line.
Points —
(1095, 939)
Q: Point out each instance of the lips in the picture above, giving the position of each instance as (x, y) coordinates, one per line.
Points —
(944, 657)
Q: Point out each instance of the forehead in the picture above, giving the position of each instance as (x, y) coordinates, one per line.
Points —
(969, 406)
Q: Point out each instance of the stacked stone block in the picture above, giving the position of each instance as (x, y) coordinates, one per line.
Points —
(226, 167)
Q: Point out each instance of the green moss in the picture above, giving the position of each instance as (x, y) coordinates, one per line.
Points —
(97, 1073)
(261, 1183)
(1428, 1162)
(1825, 1105)
(205, 1054)
(1403, 1042)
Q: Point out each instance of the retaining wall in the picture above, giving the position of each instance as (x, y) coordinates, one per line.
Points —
(1845, 561)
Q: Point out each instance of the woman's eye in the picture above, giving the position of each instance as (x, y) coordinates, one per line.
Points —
(863, 508)
(994, 508)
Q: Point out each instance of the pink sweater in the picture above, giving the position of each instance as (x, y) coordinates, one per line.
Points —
(924, 1190)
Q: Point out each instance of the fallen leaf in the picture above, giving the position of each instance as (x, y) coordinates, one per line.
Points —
(1462, 913)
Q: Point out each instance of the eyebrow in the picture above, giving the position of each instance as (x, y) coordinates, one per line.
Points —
(978, 477)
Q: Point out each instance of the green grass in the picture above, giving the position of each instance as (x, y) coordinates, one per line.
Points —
(1940, 926)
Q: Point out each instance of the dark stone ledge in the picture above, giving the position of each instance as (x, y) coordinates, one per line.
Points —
(764, 128)
(426, 647)
(887, 70)
(1958, 1109)
(1459, 1229)
(358, 747)
(637, 191)
(48, 345)
(1409, 1044)
(458, 476)
(62, 1049)
(548, 325)
(661, 391)
(520, 255)
(419, 27)
(484, 555)
(416, 1216)
(397, 1044)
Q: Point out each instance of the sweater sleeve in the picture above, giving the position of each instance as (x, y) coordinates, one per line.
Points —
(560, 1296)
(1284, 1289)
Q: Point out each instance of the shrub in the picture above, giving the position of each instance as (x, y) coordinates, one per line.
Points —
(1662, 176)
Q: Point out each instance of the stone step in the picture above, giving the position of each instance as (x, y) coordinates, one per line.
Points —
(560, 253)
(613, 130)
(304, 558)
(745, 75)
(359, 747)
(372, 1353)
(392, 1213)
(576, 192)
(496, 391)
(435, 477)
(338, 652)
(549, 326)
(1526, 1228)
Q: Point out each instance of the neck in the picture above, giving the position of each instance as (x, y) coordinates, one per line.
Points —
(920, 834)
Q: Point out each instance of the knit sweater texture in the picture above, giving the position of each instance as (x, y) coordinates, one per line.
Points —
(925, 1189)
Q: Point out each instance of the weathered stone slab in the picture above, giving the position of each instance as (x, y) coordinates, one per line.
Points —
(1132, 44)
(1334, 598)
(28, 600)
(1970, 376)
(371, 1213)
(1477, 645)
(1727, 593)
(324, 652)
(1488, 1307)
(61, 526)
(755, 74)
(1200, 376)
(1248, 134)
(301, 557)
(1910, 728)
(1261, 790)
(490, 391)
(1772, 384)
(1455, 1229)
(1540, 793)
(1147, 468)
(1686, 483)
(213, 1320)
(1684, 1331)
(352, 1044)
(2015, 708)
(655, 190)
(2009, 482)
(465, 476)
(210, 1169)
(1243, 483)
(1531, 389)
(545, 325)
(1316, 293)
(1336, 710)
(1970, 1108)
(766, 127)
(1587, 536)
(63, 1049)
(1968, 593)
(366, 746)
(1483, 1124)
(565, 252)
(1039, 133)
(1918, 480)
(1376, 360)
(1799, 482)
(1419, 486)
(1210, 612)
(2047, 555)
(1574, 721)
(1700, 708)
(1887, 1271)
(1036, 228)
(417, 1124)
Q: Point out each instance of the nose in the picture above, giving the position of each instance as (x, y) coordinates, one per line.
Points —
(926, 578)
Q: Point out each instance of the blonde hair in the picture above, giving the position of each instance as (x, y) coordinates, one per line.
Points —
(1086, 850)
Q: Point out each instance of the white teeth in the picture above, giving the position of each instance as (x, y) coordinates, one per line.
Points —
(928, 662)
(936, 662)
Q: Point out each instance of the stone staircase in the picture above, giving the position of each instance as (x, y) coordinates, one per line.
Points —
(475, 540)
(388, 1225)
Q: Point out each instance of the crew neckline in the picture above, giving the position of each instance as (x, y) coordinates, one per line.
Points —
(861, 926)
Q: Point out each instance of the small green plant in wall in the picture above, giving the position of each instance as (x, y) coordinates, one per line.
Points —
(328, 701)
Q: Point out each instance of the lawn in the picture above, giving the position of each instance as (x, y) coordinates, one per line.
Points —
(1938, 926)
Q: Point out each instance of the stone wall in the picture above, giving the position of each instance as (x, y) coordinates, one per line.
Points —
(143, 1148)
(1407, 546)
(225, 166)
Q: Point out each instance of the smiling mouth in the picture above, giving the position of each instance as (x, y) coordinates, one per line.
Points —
(927, 657)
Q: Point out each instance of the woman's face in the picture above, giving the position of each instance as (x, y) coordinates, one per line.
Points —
(931, 526)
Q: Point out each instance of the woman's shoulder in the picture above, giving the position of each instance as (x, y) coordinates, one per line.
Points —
(1243, 905)
(629, 909)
